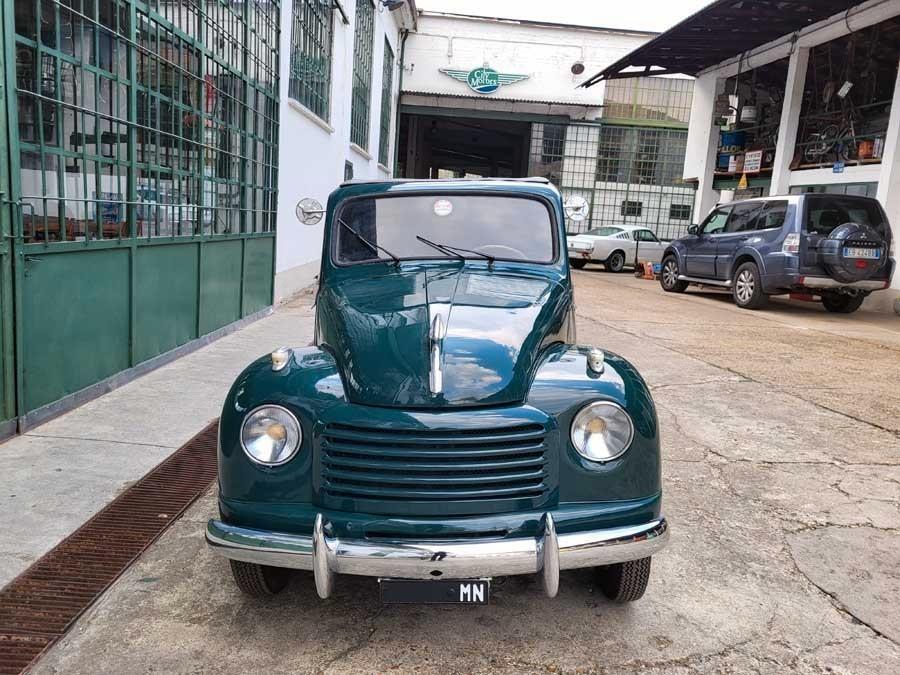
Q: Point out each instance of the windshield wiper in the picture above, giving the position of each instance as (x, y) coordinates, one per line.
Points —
(456, 250)
(440, 247)
(375, 248)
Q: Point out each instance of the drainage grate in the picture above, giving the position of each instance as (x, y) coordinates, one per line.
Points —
(42, 603)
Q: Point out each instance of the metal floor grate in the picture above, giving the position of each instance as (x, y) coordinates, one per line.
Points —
(42, 603)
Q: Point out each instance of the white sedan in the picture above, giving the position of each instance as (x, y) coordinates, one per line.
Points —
(615, 247)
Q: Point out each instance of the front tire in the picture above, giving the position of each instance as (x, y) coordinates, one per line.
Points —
(578, 263)
(843, 304)
(615, 262)
(746, 287)
(625, 582)
(259, 581)
(668, 277)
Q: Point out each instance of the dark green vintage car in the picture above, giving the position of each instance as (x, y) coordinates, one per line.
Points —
(445, 427)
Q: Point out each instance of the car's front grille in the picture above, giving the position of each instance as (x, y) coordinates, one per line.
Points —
(434, 467)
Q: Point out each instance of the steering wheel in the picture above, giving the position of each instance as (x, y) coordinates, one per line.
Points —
(501, 251)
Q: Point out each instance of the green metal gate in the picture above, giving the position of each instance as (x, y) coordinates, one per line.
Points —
(141, 169)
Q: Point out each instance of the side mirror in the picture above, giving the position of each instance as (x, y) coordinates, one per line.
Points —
(694, 229)
(309, 211)
(576, 208)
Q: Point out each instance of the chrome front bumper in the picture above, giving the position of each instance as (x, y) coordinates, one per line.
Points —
(545, 554)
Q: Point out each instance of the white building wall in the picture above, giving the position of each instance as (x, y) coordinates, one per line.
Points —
(544, 53)
(312, 152)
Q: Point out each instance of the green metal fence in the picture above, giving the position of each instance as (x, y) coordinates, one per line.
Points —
(140, 161)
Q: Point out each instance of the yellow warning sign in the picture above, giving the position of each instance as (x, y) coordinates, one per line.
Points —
(742, 183)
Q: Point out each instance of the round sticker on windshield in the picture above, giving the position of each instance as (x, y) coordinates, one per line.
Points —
(443, 207)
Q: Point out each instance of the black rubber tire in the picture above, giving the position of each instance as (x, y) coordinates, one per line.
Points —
(671, 284)
(746, 287)
(578, 264)
(259, 581)
(615, 262)
(842, 304)
(625, 582)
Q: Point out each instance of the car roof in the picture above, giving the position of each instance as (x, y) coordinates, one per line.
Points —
(430, 181)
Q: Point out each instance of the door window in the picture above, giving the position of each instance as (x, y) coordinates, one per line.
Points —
(743, 217)
(772, 216)
(645, 235)
(715, 221)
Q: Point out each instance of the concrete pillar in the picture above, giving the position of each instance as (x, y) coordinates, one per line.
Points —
(702, 144)
(790, 121)
(889, 180)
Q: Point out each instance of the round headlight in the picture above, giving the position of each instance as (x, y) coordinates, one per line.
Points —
(271, 435)
(601, 431)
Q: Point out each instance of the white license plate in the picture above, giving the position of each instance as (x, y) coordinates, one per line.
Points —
(870, 253)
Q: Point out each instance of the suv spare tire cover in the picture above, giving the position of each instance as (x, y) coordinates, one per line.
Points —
(853, 235)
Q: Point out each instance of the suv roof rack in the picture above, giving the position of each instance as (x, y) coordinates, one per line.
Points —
(367, 181)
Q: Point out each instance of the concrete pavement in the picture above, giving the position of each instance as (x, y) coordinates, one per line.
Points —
(781, 442)
(59, 474)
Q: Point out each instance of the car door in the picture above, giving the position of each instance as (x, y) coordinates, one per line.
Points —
(649, 247)
(700, 249)
(740, 226)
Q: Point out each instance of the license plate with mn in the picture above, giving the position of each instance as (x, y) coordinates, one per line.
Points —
(870, 253)
(438, 591)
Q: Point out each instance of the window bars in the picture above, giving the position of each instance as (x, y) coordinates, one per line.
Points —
(312, 35)
(387, 84)
(629, 174)
(362, 73)
(146, 119)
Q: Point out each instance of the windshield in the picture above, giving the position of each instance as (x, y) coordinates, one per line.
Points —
(505, 228)
(825, 212)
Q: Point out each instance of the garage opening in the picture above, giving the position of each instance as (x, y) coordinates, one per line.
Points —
(438, 146)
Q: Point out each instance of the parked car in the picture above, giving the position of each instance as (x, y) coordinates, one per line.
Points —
(838, 248)
(445, 427)
(616, 246)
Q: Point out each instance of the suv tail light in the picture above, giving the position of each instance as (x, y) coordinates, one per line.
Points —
(791, 243)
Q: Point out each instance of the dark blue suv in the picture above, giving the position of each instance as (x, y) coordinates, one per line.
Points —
(836, 247)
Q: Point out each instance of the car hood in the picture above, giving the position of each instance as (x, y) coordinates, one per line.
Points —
(496, 325)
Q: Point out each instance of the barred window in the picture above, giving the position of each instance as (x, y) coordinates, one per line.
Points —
(312, 33)
(680, 211)
(362, 73)
(387, 83)
(631, 208)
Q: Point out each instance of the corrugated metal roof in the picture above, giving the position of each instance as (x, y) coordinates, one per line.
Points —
(718, 32)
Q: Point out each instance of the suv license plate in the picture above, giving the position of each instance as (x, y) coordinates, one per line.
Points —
(439, 591)
(870, 253)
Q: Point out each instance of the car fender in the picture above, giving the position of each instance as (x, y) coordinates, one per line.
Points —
(742, 254)
(563, 384)
(601, 249)
(309, 384)
(677, 249)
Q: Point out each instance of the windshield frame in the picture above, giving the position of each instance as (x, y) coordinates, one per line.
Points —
(333, 226)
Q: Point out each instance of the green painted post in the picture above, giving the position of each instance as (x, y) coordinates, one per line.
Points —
(7, 213)
(12, 305)
(131, 210)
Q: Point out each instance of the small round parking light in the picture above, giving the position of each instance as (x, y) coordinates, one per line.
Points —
(271, 435)
(602, 431)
